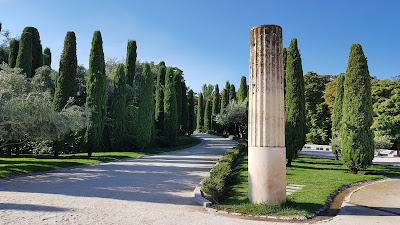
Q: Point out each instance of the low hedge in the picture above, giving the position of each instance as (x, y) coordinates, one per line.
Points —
(216, 184)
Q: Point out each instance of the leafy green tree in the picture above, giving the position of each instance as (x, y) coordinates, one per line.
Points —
(13, 53)
(47, 57)
(207, 116)
(191, 121)
(170, 108)
(37, 55)
(96, 95)
(131, 61)
(356, 134)
(232, 93)
(235, 115)
(118, 109)
(225, 97)
(337, 114)
(185, 112)
(200, 112)
(66, 80)
(295, 118)
(159, 111)
(146, 108)
(242, 93)
(216, 107)
(24, 58)
(178, 93)
(207, 90)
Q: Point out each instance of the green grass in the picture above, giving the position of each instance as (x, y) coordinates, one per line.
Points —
(25, 164)
(320, 175)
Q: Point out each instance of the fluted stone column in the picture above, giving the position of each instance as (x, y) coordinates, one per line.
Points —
(267, 152)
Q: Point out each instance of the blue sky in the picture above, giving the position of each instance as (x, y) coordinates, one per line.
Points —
(209, 40)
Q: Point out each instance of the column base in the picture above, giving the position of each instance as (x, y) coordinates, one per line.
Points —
(267, 175)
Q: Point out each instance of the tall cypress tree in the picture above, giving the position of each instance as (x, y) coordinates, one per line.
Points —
(284, 66)
(170, 109)
(207, 116)
(96, 95)
(66, 80)
(118, 109)
(13, 53)
(146, 108)
(185, 113)
(131, 62)
(357, 136)
(200, 112)
(232, 93)
(295, 117)
(191, 122)
(37, 55)
(47, 57)
(178, 92)
(242, 95)
(224, 99)
(24, 58)
(216, 107)
(337, 114)
(159, 111)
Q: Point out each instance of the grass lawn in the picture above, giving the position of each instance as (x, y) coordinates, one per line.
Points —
(321, 176)
(13, 166)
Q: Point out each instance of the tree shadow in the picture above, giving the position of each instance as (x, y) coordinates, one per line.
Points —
(30, 207)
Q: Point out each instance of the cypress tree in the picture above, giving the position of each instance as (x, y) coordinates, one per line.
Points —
(284, 66)
(190, 113)
(242, 95)
(131, 62)
(37, 55)
(118, 109)
(185, 113)
(215, 108)
(96, 95)
(295, 117)
(207, 116)
(47, 57)
(227, 88)
(66, 80)
(337, 113)
(146, 108)
(224, 100)
(178, 93)
(200, 112)
(13, 53)
(232, 93)
(24, 58)
(170, 108)
(357, 136)
(159, 111)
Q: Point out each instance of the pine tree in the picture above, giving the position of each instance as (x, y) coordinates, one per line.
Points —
(13, 53)
(159, 111)
(232, 93)
(131, 62)
(96, 95)
(24, 58)
(178, 92)
(337, 114)
(242, 93)
(37, 55)
(66, 80)
(191, 122)
(207, 116)
(295, 118)
(118, 109)
(146, 108)
(216, 107)
(170, 109)
(200, 112)
(356, 133)
(185, 113)
(47, 57)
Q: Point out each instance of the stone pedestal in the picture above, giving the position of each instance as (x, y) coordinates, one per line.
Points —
(267, 156)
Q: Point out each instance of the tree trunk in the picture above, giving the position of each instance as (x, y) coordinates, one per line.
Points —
(289, 163)
(353, 170)
(17, 150)
(398, 149)
(9, 149)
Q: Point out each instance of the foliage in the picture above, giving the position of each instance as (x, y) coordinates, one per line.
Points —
(146, 109)
(185, 113)
(337, 114)
(357, 136)
(24, 58)
(13, 53)
(170, 109)
(131, 55)
(320, 130)
(235, 114)
(200, 112)
(215, 108)
(37, 55)
(232, 93)
(382, 142)
(47, 57)
(159, 111)
(207, 116)
(191, 122)
(45, 79)
(81, 83)
(295, 118)
(207, 90)
(178, 92)
(66, 79)
(96, 95)
(242, 93)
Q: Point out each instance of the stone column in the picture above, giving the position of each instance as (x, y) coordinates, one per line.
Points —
(267, 152)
